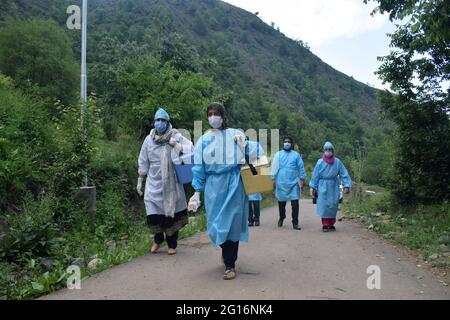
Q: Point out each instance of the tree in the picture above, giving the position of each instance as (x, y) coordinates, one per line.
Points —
(37, 54)
(200, 26)
(150, 84)
(179, 53)
(377, 164)
(422, 42)
(303, 44)
(417, 71)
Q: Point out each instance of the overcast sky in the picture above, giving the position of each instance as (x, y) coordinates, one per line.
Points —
(341, 32)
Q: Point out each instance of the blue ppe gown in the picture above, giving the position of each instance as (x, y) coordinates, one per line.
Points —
(326, 179)
(217, 173)
(255, 197)
(287, 169)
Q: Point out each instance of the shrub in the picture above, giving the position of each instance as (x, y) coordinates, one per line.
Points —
(26, 145)
(33, 230)
(111, 217)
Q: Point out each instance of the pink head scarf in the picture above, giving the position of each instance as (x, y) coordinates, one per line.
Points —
(329, 160)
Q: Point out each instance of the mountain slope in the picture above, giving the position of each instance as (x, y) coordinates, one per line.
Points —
(271, 81)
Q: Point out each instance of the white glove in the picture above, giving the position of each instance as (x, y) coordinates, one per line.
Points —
(194, 202)
(177, 147)
(139, 186)
(240, 140)
(173, 142)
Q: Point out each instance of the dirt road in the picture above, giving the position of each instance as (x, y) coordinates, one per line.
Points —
(277, 263)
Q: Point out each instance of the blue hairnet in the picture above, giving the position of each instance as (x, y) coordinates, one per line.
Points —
(328, 145)
(162, 114)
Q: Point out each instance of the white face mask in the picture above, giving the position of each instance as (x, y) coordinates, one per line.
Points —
(215, 122)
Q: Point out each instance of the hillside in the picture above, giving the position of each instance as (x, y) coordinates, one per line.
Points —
(270, 81)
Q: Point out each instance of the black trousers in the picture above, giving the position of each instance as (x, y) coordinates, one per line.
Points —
(254, 211)
(172, 241)
(282, 209)
(230, 253)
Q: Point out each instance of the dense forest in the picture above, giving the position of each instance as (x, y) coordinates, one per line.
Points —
(142, 55)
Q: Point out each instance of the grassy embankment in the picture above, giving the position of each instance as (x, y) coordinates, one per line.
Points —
(423, 229)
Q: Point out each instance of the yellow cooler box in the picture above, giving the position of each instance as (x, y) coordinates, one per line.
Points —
(260, 183)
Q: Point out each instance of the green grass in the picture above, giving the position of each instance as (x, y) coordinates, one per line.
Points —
(268, 200)
(26, 279)
(423, 229)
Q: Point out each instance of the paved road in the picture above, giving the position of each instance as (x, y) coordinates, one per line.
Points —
(277, 263)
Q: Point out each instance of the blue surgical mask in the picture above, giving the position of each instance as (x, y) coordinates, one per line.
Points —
(160, 126)
(215, 122)
(287, 146)
(328, 154)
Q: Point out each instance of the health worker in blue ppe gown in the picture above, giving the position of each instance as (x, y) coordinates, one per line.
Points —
(288, 175)
(328, 174)
(219, 155)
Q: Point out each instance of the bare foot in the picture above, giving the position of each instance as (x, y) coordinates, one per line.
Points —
(171, 252)
(155, 248)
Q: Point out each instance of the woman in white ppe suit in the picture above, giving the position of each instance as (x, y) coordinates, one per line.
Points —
(165, 201)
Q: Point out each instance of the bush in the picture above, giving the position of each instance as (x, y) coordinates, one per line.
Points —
(26, 145)
(116, 161)
(112, 221)
(33, 230)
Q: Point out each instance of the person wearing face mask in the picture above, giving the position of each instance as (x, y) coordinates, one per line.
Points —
(164, 197)
(288, 175)
(216, 173)
(328, 174)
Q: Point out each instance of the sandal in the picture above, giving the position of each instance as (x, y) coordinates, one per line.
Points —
(155, 248)
(229, 274)
(171, 252)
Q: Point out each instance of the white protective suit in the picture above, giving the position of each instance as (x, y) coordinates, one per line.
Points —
(149, 165)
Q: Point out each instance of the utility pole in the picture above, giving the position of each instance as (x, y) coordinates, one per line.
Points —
(87, 194)
(361, 154)
(84, 80)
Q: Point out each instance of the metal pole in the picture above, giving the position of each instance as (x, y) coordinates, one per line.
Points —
(84, 79)
(86, 195)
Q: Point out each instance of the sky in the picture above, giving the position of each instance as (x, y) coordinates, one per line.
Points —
(340, 32)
